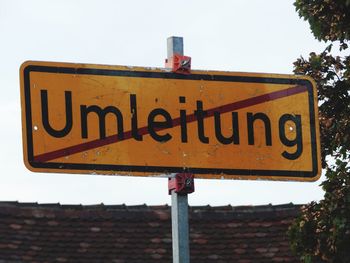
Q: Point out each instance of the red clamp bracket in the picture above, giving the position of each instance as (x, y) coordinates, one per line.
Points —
(182, 183)
(179, 64)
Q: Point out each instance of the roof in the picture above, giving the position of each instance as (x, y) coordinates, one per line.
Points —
(31, 232)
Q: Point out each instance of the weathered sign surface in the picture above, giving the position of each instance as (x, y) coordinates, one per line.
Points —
(80, 118)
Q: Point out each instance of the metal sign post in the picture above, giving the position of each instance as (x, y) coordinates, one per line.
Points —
(179, 187)
(182, 184)
(179, 221)
(228, 125)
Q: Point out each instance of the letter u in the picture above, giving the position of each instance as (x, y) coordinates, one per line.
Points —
(45, 115)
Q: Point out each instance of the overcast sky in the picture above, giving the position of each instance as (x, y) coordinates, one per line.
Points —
(249, 36)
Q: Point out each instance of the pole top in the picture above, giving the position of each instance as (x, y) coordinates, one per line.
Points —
(176, 61)
(175, 46)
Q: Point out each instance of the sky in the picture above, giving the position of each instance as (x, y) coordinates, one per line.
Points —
(245, 36)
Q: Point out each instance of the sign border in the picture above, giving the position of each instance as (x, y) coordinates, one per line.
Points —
(27, 68)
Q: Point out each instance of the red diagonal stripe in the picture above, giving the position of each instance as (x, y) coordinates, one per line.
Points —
(45, 157)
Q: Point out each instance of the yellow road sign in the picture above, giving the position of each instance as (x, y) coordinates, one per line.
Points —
(80, 118)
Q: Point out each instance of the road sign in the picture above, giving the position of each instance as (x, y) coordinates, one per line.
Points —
(80, 118)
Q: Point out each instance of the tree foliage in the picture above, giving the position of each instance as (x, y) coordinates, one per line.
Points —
(329, 19)
(322, 232)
